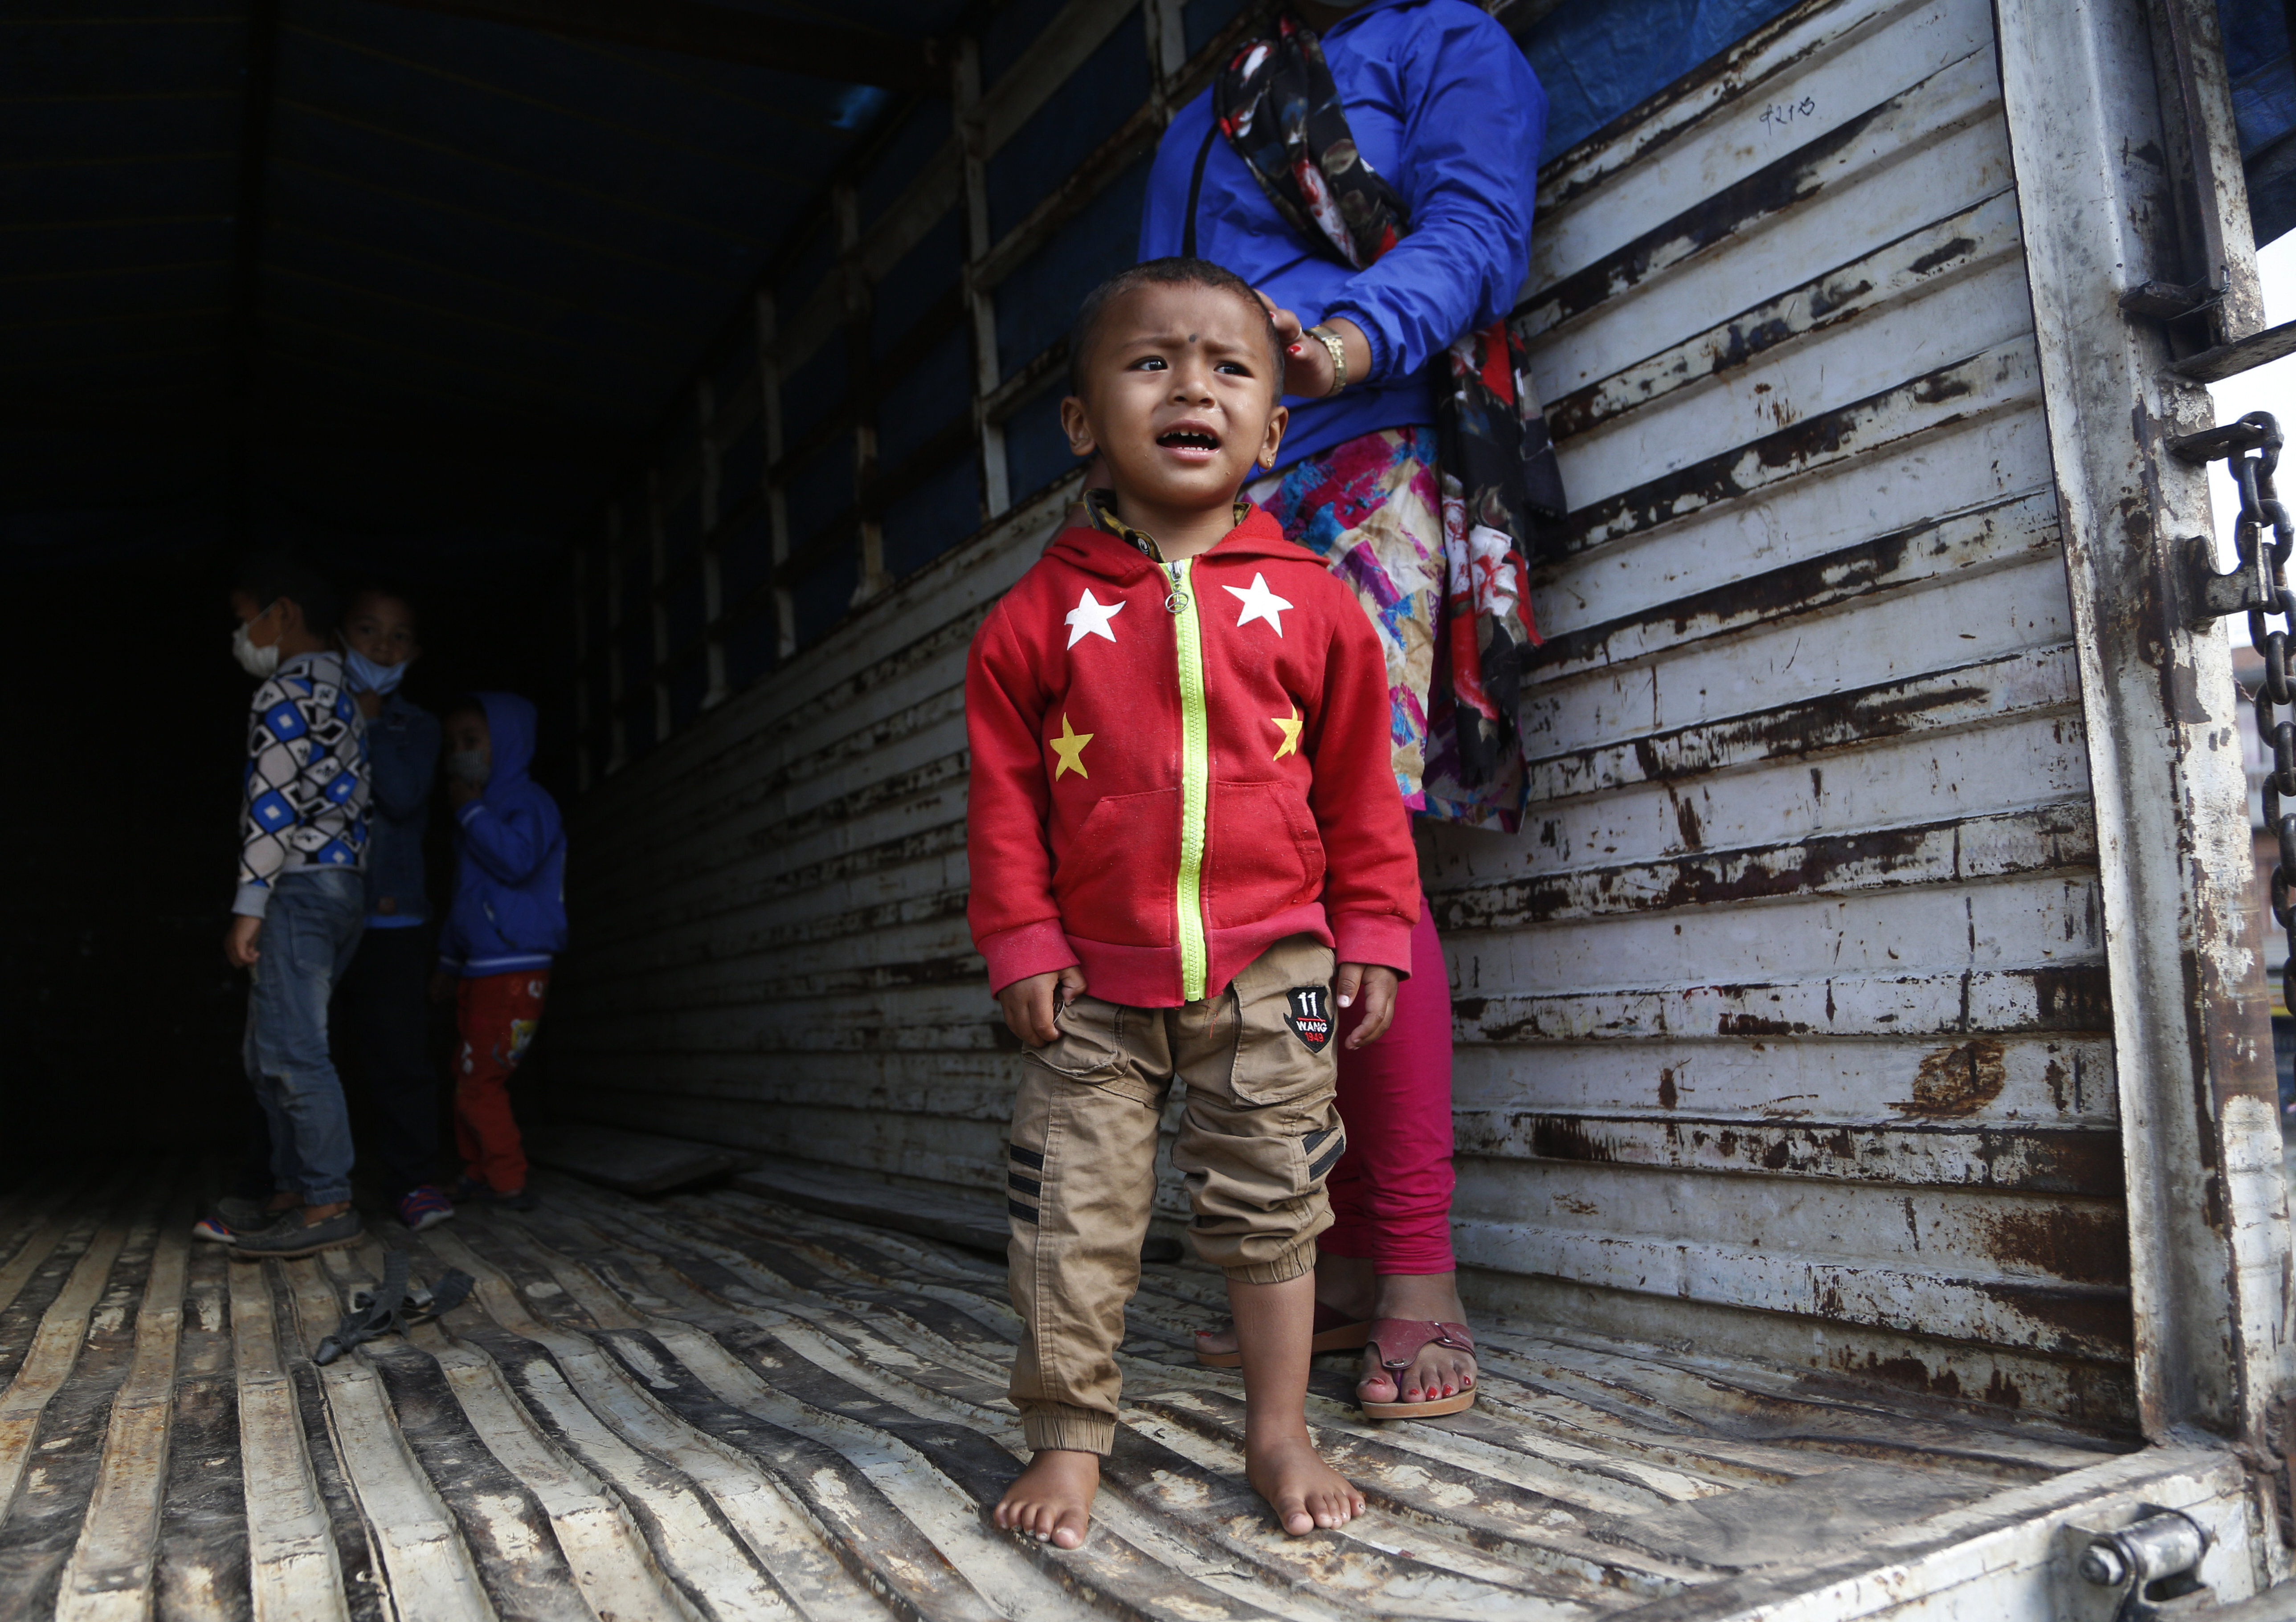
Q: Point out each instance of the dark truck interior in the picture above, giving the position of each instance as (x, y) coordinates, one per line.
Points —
(646, 342)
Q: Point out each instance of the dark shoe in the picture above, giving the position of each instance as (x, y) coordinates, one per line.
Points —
(243, 1215)
(291, 1237)
(516, 1200)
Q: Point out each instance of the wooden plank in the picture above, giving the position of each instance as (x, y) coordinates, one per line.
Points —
(693, 1548)
(773, 1530)
(1961, 849)
(1954, 622)
(2065, 1320)
(2028, 682)
(634, 1162)
(54, 1349)
(1994, 381)
(1817, 371)
(2052, 1161)
(2066, 998)
(976, 1225)
(1933, 254)
(293, 1569)
(2030, 761)
(108, 1577)
(610, 1559)
(2045, 1081)
(1902, 80)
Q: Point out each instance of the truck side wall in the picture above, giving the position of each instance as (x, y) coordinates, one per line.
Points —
(1784, 1024)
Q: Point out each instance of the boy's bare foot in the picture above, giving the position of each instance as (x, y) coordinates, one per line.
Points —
(1052, 1500)
(1304, 1492)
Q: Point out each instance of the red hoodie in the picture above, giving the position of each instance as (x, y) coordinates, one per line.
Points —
(1168, 779)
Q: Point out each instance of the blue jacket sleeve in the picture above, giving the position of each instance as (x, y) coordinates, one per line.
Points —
(509, 843)
(404, 765)
(1475, 120)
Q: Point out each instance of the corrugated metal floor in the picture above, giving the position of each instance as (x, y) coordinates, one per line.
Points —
(715, 1406)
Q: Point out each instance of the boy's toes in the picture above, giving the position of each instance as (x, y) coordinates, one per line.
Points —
(1067, 1529)
(1292, 1510)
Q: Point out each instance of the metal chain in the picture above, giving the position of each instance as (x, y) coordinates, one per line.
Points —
(2259, 587)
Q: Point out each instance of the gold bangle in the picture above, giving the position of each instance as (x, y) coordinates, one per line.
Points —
(1338, 351)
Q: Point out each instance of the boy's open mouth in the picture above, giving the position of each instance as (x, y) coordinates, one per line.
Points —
(1199, 441)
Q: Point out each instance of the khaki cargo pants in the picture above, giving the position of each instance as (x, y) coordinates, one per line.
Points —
(1258, 1136)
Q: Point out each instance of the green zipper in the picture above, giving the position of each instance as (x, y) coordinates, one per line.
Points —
(1195, 779)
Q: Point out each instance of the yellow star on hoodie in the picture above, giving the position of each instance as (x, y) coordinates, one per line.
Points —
(1289, 725)
(1069, 747)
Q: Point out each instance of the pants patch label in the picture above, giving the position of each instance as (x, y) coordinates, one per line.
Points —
(1308, 1011)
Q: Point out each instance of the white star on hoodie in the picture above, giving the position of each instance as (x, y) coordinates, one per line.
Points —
(1258, 603)
(1089, 618)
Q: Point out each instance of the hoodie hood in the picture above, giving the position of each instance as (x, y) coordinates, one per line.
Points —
(1111, 558)
(510, 729)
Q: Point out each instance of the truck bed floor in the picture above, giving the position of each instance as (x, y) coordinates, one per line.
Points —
(717, 1406)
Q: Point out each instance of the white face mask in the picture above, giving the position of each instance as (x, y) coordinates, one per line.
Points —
(258, 662)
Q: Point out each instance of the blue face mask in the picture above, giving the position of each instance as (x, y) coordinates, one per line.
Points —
(367, 676)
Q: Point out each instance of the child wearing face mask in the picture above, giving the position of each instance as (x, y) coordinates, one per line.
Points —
(381, 998)
(297, 914)
(507, 923)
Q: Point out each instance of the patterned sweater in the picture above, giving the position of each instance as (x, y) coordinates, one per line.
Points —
(307, 779)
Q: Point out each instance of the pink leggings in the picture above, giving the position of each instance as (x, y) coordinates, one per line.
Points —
(1391, 1190)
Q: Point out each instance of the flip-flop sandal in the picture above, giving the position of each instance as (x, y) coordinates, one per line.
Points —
(1335, 1331)
(1400, 1341)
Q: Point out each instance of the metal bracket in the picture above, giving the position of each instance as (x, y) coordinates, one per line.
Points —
(2168, 301)
(2208, 594)
(2144, 1572)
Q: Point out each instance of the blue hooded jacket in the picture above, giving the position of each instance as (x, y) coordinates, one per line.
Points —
(509, 913)
(1443, 103)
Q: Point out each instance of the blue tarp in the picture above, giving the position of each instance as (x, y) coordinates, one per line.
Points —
(1598, 60)
(2264, 106)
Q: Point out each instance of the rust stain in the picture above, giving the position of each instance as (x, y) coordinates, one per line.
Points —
(1908, 1373)
(1755, 1025)
(2088, 1322)
(1943, 255)
(1560, 1137)
(1957, 1081)
(1667, 1096)
(2074, 998)
(2083, 1247)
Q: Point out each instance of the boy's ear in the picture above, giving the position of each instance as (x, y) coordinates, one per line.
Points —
(1074, 424)
(1278, 420)
(291, 615)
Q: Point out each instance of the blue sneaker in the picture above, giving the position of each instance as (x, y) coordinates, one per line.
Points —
(424, 1207)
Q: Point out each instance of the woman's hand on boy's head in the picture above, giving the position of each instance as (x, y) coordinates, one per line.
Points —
(1032, 1004)
(1374, 986)
(1308, 373)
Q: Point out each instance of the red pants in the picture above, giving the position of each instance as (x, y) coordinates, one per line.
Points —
(496, 1014)
(1391, 1190)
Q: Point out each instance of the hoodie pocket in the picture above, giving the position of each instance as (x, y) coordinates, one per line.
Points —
(524, 923)
(1262, 855)
(1116, 876)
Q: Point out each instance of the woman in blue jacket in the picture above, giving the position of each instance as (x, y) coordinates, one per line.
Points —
(1371, 169)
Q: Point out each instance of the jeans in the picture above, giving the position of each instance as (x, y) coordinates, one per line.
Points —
(309, 932)
(383, 1011)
